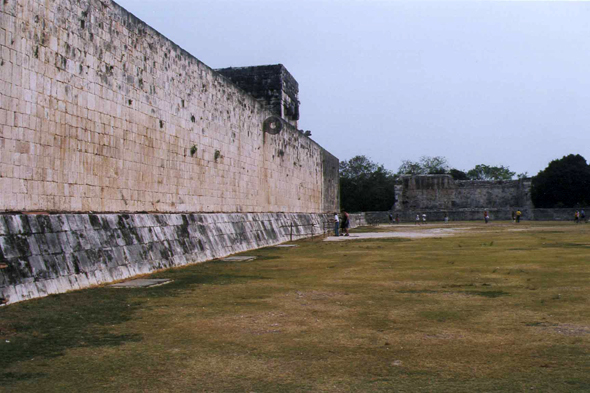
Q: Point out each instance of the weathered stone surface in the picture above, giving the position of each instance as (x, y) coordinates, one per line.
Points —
(272, 84)
(441, 192)
(101, 113)
(54, 261)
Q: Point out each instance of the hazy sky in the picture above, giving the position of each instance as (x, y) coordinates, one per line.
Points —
(498, 83)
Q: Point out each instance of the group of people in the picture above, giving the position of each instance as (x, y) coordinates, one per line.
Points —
(392, 219)
(418, 218)
(343, 223)
(580, 216)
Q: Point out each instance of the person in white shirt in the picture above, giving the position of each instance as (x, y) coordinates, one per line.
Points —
(336, 224)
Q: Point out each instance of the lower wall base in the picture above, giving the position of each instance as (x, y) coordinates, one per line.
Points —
(471, 215)
(48, 254)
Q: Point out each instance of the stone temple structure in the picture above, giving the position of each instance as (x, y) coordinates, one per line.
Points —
(121, 153)
(438, 195)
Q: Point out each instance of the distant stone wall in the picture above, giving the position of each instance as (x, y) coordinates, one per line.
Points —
(357, 220)
(48, 254)
(99, 112)
(442, 193)
(496, 214)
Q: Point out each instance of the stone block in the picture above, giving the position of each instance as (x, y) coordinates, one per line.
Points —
(37, 267)
(17, 224)
(145, 234)
(33, 245)
(34, 224)
(53, 243)
(3, 226)
(119, 255)
(176, 247)
(110, 220)
(77, 241)
(64, 241)
(136, 254)
(59, 223)
(130, 236)
(14, 246)
(110, 258)
(94, 240)
(74, 223)
(95, 222)
(84, 262)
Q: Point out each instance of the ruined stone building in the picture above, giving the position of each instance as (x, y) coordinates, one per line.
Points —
(138, 155)
(461, 199)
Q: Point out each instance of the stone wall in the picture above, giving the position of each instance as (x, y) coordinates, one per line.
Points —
(442, 193)
(99, 112)
(496, 214)
(48, 254)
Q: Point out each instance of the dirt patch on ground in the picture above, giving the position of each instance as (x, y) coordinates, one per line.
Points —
(415, 234)
(566, 329)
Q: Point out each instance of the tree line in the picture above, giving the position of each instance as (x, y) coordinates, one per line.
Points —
(368, 186)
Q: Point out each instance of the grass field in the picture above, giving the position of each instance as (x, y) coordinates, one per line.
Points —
(494, 308)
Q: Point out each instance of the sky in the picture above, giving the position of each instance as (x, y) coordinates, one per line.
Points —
(477, 82)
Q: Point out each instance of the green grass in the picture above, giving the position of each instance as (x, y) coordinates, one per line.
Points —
(491, 309)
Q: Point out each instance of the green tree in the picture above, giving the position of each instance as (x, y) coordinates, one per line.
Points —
(458, 174)
(487, 172)
(365, 185)
(564, 183)
(425, 166)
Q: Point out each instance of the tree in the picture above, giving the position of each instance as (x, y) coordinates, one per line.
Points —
(426, 166)
(410, 168)
(435, 165)
(486, 172)
(458, 174)
(365, 185)
(564, 183)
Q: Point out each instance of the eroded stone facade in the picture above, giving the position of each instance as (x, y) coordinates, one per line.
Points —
(442, 193)
(99, 112)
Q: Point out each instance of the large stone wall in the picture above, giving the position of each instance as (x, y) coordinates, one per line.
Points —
(442, 193)
(99, 112)
(48, 254)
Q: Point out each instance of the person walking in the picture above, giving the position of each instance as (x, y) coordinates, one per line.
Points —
(390, 218)
(345, 223)
(417, 219)
(582, 216)
(576, 216)
(336, 224)
(513, 216)
(486, 216)
(424, 218)
(446, 218)
(518, 214)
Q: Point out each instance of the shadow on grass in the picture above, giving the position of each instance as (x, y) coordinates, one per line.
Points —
(566, 245)
(490, 294)
(46, 328)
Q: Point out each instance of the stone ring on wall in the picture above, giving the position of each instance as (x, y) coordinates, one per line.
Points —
(272, 125)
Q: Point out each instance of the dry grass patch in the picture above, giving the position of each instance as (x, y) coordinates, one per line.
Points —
(489, 310)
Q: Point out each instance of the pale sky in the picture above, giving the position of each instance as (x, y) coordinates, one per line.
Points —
(497, 83)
